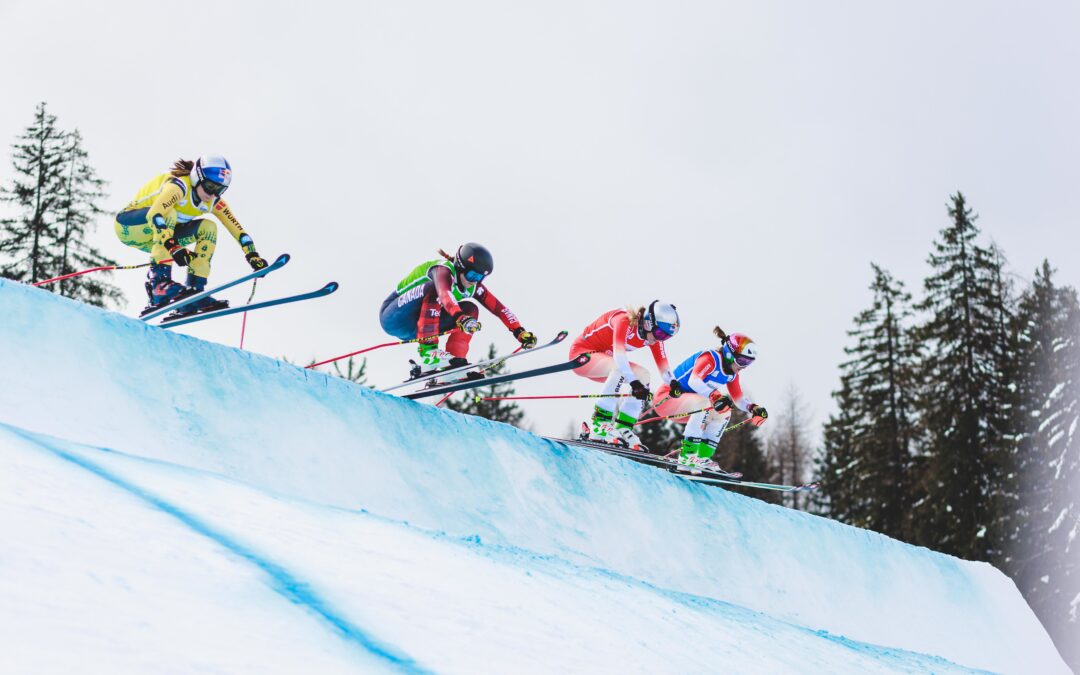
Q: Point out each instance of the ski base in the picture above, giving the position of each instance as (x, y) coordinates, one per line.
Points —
(181, 321)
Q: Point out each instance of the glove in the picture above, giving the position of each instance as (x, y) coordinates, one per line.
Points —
(527, 339)
(640, 391)
(722, 403)
(758, 415)
(256, 261)
(675, 389)
(180, 255)
(466, 323)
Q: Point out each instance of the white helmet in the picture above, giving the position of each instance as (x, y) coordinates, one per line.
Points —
(213, 173)
(660, 320)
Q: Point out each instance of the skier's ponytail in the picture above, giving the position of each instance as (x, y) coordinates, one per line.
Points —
(446, 255)
(719, 332)
(634, 314)
(182, 167)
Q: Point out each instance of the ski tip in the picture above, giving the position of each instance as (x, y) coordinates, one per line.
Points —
(561, 336)
(582, 360)
(330, 287)
(282, 259)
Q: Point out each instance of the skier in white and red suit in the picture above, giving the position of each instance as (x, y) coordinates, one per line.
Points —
(607, 340)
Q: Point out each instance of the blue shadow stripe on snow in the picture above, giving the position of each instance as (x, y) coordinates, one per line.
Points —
(284, 583)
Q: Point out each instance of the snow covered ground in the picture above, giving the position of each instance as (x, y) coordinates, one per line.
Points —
(170, 505)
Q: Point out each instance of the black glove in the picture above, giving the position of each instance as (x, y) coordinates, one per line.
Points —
(640, 391)
(675, 389)
(466, 323)
(758, 415)
(256, 261)
(526, 338)
(722, 403)
(180, 255)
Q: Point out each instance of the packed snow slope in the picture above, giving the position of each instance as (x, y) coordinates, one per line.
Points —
(168, 504)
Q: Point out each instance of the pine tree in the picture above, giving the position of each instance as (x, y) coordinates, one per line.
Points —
(843, 493)
(865, 469)
(962, 396)
(659, 437)
(80, 206)
(498, 411)
(40, 161)
(56, 194)
(353, 372)
(1045, 553)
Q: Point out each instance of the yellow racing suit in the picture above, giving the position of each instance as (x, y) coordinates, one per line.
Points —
(173, 198)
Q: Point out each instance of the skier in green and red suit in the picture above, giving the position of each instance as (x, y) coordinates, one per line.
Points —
(436, 297)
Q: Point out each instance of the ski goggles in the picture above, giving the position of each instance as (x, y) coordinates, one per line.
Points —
(474, 276)
(212, 187)
(743, 360)
(660, 334)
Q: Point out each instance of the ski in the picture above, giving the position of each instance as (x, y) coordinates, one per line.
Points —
(480, 365)
(658, 461)
(180, 321)
(188, 299)
(802, 487)
(484, 381)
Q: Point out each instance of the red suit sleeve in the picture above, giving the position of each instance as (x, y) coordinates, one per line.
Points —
(659, 353)
(444, 283)
(735, 391)
(492, 304)
(620, 325)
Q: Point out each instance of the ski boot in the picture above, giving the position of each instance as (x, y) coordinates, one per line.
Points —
(624, 431)
(197, 284)
(696, 457)
(690, 460)
(160, 287)
(433, 359)
(601, 429)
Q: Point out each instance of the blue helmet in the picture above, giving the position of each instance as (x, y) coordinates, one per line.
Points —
(213, 173)
(660, 320)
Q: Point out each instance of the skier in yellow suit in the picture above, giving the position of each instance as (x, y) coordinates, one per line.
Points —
(169, 214)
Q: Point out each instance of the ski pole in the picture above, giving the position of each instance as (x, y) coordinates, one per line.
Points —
(243, 324)
(479, 398)
(105, 268)
(668, 417)
(373, 348)
(443, 400)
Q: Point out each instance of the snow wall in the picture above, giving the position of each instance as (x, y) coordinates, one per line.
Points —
(106, 381)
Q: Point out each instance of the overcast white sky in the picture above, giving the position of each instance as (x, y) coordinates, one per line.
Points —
(745, 161)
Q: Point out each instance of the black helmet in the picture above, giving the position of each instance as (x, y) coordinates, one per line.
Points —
(474, 261)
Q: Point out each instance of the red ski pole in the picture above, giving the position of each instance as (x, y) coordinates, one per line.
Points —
(372, 348)
(668, 417)
(444, 399)
(243, 324)
(479, 398)
(105, 268)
